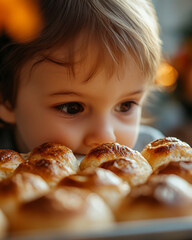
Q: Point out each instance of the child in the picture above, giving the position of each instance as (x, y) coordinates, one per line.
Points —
(84, 80)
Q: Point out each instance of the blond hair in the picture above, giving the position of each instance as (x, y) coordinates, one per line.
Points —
(120, 27)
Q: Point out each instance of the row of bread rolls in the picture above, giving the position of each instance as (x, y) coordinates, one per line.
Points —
(48, 188)
(168, 190)
(31, 199)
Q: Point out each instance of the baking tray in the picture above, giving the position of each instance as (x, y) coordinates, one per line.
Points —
(166, 229)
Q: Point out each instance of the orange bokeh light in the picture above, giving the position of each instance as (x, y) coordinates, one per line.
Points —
(21, 19)
(166, 75)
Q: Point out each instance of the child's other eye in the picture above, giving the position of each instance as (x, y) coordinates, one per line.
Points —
(125, 106)
(70, 108)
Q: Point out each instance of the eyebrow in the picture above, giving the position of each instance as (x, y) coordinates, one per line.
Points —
(65, 93)
(135, 92)
(79, 94)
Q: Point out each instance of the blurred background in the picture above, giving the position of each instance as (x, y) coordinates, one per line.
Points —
(169, 110)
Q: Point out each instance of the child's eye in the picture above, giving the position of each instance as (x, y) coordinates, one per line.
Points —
(70, 108)
(125, 106)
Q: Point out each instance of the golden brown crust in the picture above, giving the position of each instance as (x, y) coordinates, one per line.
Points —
(58, 202)
(182, 169)
(91, 178)
(50, 170)
(57, 152)
(19, 188)
(101, 181)
(106, 152)
(9, 161)
(165, 150)
(82, 200)
(133, 171)
(65, 208)
(161, 197)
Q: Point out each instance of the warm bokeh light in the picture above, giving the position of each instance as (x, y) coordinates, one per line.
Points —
(20, 19)
(166, 75)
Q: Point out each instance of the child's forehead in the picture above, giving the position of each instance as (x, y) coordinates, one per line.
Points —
(85, 65)
(49, 78)
(86, 55)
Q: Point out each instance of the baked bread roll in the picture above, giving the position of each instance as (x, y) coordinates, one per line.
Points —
(57, 152)
(19, 188)
(106, 152)
(9, 161)
(182, 169)
(163, 196)
(164, 150)
(3, 225)
(63, 208)
(134, 171)
(101, 181)
(52, 171)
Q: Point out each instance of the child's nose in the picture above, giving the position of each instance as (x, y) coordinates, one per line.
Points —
(99, 134)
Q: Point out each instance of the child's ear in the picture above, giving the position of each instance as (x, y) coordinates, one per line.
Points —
(7, 113)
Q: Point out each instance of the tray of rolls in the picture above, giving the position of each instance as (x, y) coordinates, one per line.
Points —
(114, 192)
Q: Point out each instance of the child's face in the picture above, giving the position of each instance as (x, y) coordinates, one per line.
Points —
(55, 106)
